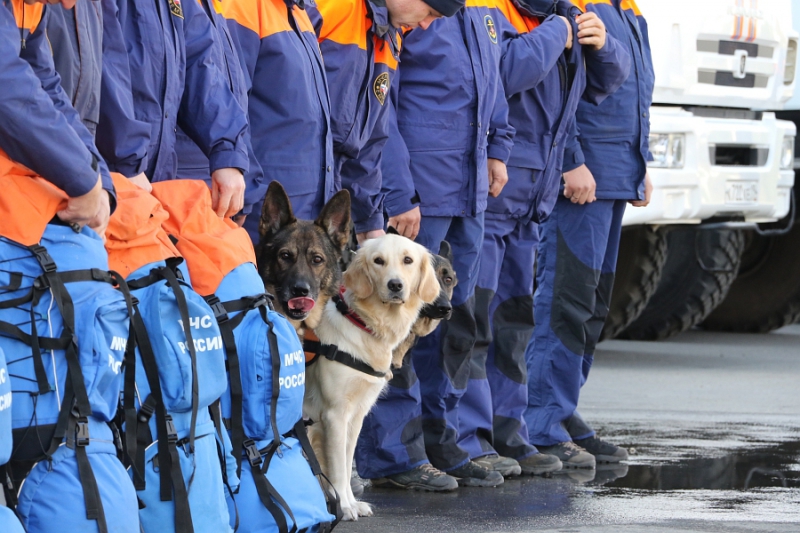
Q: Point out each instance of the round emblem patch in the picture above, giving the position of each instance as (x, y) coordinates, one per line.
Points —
(490, 27)
(381, 87)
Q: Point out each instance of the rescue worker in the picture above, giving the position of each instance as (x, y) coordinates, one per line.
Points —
(604, 168)
(192, 162)
(360, 43)
(544, 78)
(290, 126)
(168, 73)
(39, 128)
(76, 36)
(445, 156)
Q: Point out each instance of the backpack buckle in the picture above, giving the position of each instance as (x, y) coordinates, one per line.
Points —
(82, 432)
(253, 455)
(172, 433)
(43, 257)
(145, 413)
(219, 309)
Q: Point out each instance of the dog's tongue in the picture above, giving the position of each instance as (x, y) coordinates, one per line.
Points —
(301, 304)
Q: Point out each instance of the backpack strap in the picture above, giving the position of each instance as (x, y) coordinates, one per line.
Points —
(331, 496)
(266, 491)
(215, 410)
(170, 471)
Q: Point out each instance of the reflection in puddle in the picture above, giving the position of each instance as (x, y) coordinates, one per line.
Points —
(777, 466)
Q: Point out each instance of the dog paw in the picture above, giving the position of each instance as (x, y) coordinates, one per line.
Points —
(363, 508)
(349, 513)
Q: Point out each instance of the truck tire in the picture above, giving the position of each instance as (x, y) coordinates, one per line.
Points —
(700, 268)
(766, 295)
(642, 253)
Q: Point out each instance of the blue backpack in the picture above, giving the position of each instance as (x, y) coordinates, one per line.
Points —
(64, 331)
(179, 374)
(281, 489)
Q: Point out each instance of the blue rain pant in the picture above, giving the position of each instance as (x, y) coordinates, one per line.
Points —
(418, 417)
(574, 278)
(498, 387)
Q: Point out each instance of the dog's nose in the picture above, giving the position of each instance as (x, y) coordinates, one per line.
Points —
(300, 289)
(444, 310)
(395, 285)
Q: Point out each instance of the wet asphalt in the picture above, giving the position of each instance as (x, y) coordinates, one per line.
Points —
(712, 423)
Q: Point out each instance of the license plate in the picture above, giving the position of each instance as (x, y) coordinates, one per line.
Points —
(741, 193)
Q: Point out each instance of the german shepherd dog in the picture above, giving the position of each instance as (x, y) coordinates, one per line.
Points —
(299, 260)
(433, 313)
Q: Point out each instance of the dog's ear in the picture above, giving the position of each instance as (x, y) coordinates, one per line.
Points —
(390, 230)
(277, 211)
(428, 288)
(446, 251)
(356, 278)
(335, 219)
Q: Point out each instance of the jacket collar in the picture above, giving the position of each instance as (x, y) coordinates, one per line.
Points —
(381, 26)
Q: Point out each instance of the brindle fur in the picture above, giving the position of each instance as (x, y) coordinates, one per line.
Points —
(292, 252)
(424, 325)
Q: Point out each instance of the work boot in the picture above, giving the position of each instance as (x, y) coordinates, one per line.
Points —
(570, 454)
(474, 475)
(357, 484)
(505, 465)
(603, 451)
(540, 463)
(424, 477)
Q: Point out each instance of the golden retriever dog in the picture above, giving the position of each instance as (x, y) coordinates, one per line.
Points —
(389, 280)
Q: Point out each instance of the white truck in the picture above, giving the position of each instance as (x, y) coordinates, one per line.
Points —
(723, 168)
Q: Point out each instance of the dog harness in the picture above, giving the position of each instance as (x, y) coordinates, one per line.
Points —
(315, 348)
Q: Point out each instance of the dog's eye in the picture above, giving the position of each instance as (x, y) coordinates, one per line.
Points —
(379, 261)
(407, 260)
(285, 255)
(318, 260)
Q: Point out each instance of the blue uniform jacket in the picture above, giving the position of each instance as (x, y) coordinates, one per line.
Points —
(451, 115)
(76, 36)
(192, 162)
(173, 81)
(613, 137)
(360, 50)
(544, 85)
(39, 128)
(288, 106)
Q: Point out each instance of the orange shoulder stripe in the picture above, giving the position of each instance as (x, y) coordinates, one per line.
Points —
(263, 17)
(383, 53)
(344, 22)
(631, 4)
(303, 22)
(521, 23)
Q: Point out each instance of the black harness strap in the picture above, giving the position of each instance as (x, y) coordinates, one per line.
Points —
(170, 467)
(332, 352)
(332, 498)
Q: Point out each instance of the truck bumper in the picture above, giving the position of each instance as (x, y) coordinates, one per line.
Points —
(703, 189)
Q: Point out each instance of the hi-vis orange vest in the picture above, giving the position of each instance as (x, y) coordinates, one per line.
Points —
(27, 202)
(212, 246)
(135, 236)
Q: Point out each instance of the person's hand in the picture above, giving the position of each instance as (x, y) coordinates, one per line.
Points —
(407, 224)
(568, 44)
(141, 180)
(498, 176)
(591, 30)
(648, 191)
(92, 209)
(227, 191)
(579, 185)
(374, 234)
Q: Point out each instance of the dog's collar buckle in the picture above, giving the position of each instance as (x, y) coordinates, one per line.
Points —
(349, 314)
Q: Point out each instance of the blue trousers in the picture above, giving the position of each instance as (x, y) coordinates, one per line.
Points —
(498, 387)
(417, 417)
(575, 274)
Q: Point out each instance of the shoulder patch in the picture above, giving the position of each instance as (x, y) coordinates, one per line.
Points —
(488, 21)
(175, 8)
(381, 87)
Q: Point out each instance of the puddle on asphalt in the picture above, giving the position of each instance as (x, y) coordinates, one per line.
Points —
(776, 466)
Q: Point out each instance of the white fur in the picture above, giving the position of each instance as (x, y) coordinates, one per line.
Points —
(337, 397)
